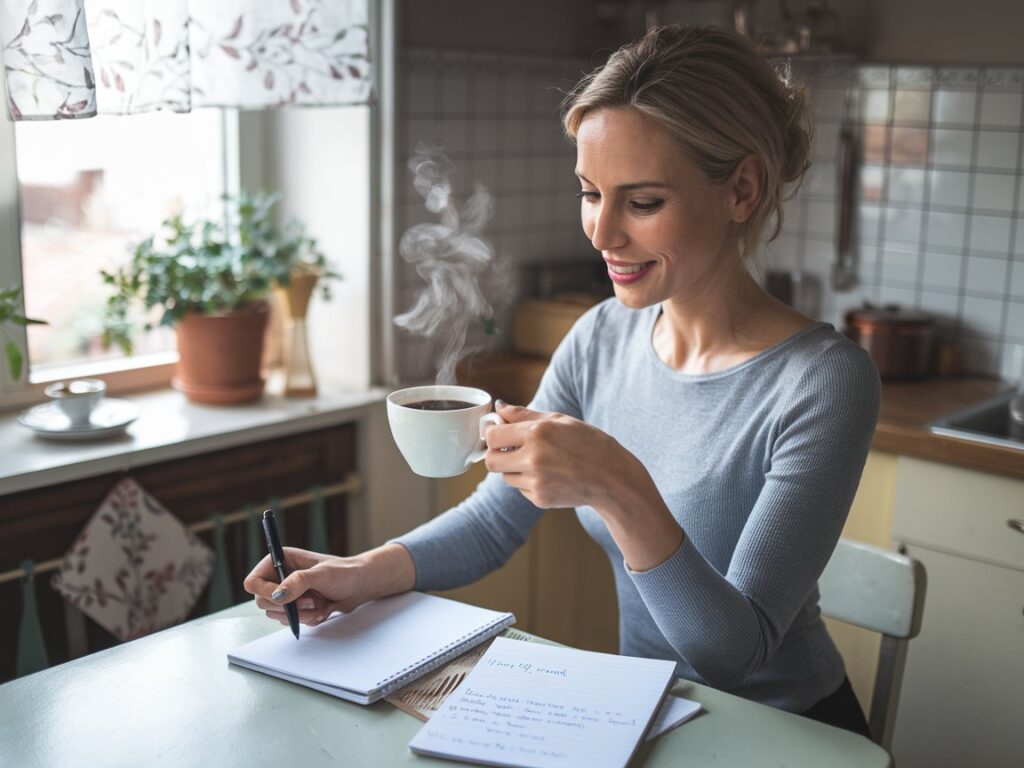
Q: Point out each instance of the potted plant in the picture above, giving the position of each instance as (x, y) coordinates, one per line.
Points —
(10, 314)
(210, 279)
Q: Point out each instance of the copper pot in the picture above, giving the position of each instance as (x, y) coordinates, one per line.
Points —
(898, 340)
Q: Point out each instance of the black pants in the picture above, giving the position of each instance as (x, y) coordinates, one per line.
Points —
(840, 709)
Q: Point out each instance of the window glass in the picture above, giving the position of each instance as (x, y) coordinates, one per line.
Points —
(91, 189)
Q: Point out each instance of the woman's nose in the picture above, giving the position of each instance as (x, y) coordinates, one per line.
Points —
(604, 229)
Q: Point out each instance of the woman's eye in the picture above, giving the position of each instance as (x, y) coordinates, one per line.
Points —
(646, 206)
(588, 195)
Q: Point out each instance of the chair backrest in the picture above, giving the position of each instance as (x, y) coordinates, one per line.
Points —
(882, 591)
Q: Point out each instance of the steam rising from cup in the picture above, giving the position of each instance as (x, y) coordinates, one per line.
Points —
(452, 257)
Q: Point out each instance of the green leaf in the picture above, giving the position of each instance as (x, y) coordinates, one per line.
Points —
(213, 264)
(14, 360)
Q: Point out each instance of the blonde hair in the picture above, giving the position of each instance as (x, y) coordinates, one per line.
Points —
(722, 101)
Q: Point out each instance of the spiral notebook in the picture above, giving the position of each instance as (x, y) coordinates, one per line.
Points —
(376, 649)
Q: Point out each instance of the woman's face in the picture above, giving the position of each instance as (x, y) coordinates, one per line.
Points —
(664, 230)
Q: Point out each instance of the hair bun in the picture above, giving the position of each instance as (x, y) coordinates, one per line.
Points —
(798, 135)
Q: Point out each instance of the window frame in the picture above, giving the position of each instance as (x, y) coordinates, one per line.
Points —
(122, 374)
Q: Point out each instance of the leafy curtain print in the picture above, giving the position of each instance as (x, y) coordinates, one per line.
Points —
(78, 58)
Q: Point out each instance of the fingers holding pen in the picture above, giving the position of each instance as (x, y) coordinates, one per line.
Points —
(262, 580)
(313, 609)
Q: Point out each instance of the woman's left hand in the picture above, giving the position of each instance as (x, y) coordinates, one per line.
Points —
(553, 459)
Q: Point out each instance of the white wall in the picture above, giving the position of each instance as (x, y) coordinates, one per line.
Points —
(321, 164)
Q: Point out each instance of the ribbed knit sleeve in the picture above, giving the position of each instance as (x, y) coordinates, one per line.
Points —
(727, 626)
(479, 535)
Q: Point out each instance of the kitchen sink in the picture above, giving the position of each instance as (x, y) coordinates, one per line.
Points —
(985, 422)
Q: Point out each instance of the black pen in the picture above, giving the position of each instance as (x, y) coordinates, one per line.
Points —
(277, 558)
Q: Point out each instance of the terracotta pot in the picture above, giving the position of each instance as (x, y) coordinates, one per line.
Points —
(219, 355)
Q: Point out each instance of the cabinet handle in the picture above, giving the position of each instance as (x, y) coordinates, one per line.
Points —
(1017, 525)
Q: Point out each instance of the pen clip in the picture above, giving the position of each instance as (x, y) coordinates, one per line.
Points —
(273, 542)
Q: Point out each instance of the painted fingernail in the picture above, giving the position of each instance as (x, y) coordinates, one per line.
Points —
(500, 403)
(280, 594)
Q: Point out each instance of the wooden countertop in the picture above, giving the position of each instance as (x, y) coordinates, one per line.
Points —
(908, 409)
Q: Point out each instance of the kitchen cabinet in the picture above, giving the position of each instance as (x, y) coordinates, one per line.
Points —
(42, 523)
(963, 689)
(559, 583)
(869, 521)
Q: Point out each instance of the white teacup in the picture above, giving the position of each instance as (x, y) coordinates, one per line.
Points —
(438, 441)
(77, 398)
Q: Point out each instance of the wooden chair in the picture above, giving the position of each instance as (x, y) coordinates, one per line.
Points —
(881, 591)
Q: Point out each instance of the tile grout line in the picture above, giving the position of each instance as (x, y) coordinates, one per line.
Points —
(969, 217)
(926, 194)
(883, 198)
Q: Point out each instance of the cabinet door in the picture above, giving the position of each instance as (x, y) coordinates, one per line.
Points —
(963, 690)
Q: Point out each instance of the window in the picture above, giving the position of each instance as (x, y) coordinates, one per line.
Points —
(88, 191)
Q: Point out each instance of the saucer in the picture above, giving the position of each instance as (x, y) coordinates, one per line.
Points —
(109, 417)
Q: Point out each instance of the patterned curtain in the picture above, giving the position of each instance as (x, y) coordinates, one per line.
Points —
(68, 59)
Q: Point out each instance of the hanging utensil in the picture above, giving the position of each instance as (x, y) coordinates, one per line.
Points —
(843, 276)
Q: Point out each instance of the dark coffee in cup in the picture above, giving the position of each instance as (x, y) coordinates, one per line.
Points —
(439, 428)
(438, 405)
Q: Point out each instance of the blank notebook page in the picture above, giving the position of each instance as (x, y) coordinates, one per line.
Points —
(376, 642)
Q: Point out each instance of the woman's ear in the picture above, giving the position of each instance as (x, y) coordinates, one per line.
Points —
(747, 184)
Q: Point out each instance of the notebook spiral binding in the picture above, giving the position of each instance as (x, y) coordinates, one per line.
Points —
(389, 685)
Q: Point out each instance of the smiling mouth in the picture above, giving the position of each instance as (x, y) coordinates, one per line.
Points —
(627, 274)
(629, 269)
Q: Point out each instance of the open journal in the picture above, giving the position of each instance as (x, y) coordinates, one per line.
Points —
(381, 646)
(527, 704)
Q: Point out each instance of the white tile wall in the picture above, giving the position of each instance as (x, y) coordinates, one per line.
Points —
(990, 233)
(1002, 109)
(1015, 320)
(942, 270)
(951, 147)
(945, 230)
(943, 235)
(953, 107)
(497, 119)
(986, 275)
(949, 188)
(998, 149)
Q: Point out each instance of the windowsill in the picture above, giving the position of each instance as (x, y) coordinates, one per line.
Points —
(169, 427)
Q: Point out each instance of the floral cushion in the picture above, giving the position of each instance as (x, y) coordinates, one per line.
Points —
(134, 568)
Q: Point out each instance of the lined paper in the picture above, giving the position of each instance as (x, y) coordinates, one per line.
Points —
(527, 704)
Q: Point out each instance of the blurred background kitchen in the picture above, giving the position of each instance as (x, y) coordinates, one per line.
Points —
(906, 235)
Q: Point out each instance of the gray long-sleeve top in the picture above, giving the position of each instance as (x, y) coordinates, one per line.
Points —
(758, 463)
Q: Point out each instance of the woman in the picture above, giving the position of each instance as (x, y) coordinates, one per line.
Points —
(710, 438)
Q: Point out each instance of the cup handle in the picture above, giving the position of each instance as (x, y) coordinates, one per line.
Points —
(481, 449)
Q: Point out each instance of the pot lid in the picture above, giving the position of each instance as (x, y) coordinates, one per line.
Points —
(888, 316)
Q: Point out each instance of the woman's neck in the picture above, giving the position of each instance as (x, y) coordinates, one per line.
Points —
(731, 320)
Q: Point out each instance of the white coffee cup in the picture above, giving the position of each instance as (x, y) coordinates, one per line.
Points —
(77, 399)
(435, 442)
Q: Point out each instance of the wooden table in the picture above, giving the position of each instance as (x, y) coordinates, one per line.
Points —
(171, 699)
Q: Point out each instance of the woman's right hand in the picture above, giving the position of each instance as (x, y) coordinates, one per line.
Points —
(321, 584)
